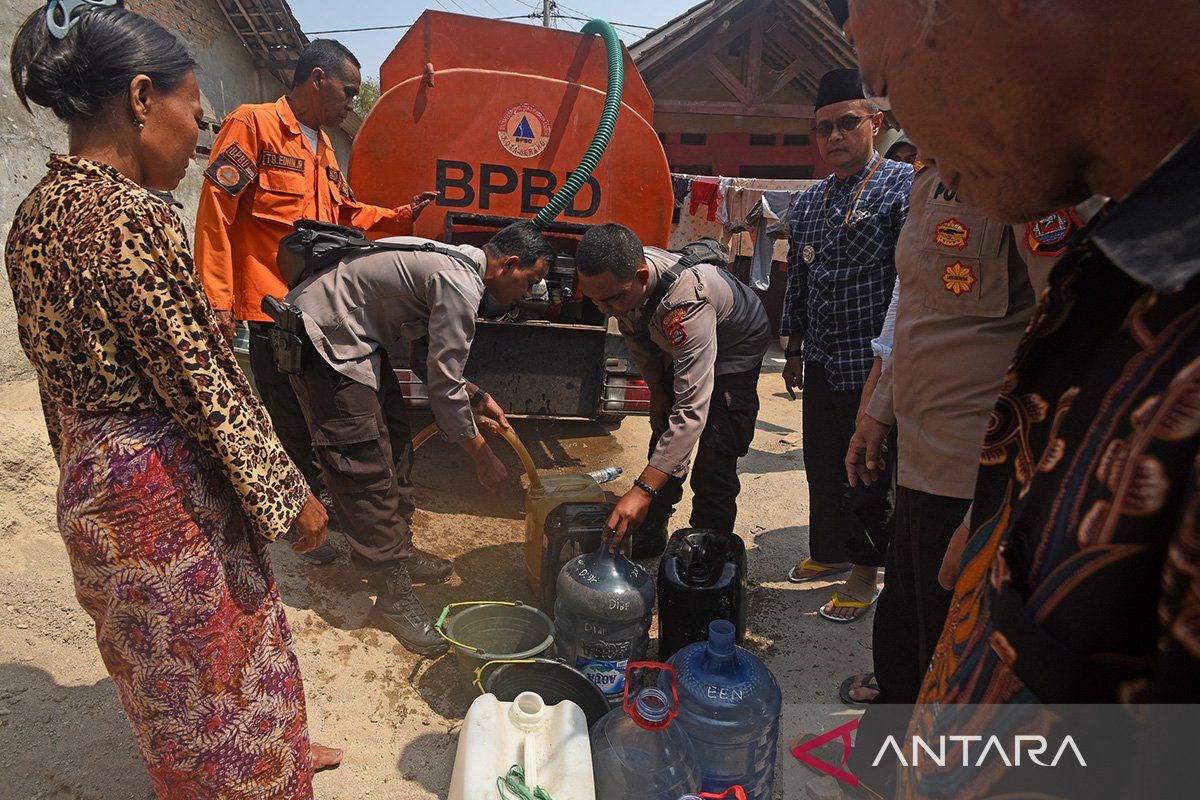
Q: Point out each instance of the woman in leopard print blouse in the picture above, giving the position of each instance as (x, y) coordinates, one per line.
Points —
(172, 482)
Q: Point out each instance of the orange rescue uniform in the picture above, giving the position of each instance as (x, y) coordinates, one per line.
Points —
(263, 177)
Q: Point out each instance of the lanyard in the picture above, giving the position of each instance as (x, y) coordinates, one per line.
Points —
(853, 203)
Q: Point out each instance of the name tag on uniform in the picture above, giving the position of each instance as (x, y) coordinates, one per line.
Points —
(275, 160)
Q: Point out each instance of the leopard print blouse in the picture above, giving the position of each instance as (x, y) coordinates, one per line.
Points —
(113, 318)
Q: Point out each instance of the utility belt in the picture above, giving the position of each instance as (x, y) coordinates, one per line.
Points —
(288, 337)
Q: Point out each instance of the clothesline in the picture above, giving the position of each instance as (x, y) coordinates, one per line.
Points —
(749, 215)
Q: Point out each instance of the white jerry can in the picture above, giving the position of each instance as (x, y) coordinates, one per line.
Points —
(550, 743)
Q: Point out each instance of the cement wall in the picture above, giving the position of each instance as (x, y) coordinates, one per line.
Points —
(227, 78)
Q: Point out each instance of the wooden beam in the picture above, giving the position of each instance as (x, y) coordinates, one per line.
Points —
(753, 62)
(731, 83)
(788, 75)
(733, 109)
(697, 57)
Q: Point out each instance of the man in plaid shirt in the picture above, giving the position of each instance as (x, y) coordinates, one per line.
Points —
(840, 275)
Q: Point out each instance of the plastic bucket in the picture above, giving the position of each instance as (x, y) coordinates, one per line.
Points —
(494, 631)
(552, 680)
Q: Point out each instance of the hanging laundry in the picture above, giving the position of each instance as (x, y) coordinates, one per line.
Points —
(772, 212)
(705, 192)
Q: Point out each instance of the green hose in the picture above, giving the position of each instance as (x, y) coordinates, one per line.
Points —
(608, 121)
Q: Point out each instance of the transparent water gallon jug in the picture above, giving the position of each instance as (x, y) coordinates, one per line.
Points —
(729, 704)
(602, 617)
(640, 752)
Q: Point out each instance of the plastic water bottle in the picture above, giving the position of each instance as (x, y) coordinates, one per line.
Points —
(605, 475)
(602, 617)
(640, 752)
(729, 704)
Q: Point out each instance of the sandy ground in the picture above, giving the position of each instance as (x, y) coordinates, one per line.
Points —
(62, 732)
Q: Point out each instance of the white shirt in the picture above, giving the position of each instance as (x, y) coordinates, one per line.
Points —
(309, 134)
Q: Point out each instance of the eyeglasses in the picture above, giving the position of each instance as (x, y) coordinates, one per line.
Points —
(846, 124)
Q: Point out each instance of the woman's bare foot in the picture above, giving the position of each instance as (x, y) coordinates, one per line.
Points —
(325, 757)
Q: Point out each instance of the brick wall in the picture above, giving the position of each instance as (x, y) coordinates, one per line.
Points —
(200, 20)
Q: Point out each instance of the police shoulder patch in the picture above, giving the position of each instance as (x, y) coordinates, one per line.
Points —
(232, 170)
(1051, 235)
(673, 326)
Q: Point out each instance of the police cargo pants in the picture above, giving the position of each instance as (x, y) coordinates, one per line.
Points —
(727, 434)
(363, 444)
(279, 398)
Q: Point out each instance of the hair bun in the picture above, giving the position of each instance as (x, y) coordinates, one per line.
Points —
(107, 46)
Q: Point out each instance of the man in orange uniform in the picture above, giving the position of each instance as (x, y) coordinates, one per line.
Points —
(272, 165)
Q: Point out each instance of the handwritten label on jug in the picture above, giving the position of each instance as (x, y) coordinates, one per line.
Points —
(617, 604)
(723, 693)
(593, 628)
(584, 574)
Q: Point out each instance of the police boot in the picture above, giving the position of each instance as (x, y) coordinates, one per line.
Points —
(398, 611)
(427, 568)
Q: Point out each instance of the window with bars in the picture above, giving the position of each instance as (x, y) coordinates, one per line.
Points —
(693, 138)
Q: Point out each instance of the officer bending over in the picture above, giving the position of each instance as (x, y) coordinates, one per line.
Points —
(352, 402)
(698, 335)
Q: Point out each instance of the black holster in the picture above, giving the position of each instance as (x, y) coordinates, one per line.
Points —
(288, 335)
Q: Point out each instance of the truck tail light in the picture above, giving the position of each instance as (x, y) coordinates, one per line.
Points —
(414, 392)
(623, 395)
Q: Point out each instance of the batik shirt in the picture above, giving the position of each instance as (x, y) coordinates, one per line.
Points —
(113, 318)
(841, 273)
(1081, 581)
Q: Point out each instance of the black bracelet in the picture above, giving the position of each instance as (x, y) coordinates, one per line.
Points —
(479, 396)
(793, 353)
(645, 487)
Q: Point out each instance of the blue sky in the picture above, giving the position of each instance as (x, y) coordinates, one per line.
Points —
(372, 47)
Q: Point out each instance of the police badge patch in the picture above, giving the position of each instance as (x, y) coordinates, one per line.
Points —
(951, 233)
(1050, 235)
(232, 170)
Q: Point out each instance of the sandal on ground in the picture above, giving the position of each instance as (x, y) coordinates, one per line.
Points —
(863, 680)
(821, 572)
(861, 605)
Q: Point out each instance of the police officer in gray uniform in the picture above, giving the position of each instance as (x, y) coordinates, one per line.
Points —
(698, 335)
(353, 404)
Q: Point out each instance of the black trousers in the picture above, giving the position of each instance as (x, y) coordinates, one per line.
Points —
(846, 524)
(363, 444)
(727, 434)
(279, 398)
(908, 618)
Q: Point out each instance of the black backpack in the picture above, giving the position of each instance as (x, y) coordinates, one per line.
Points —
(702, 251)
(315, 247)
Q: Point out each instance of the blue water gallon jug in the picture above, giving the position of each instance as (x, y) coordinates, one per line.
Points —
(729, 704)
(602, 617)
(639, 751)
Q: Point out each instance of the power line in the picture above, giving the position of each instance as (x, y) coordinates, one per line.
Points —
(402, 27)
(614, 24)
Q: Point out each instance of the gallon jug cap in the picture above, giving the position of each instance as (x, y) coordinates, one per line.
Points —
(721, 636)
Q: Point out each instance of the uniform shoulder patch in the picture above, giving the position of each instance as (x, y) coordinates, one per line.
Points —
(1051, 235)
(673, 326)
(279, 161)
(232, 170)
(336, 177)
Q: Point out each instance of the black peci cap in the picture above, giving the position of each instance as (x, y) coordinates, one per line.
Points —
(839, 85)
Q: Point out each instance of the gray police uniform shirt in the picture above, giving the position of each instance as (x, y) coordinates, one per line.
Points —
(354, 313)
(969, 288)
(707, 324)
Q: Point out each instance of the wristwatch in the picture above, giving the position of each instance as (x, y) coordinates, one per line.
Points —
(479, 396)
(793, 353)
